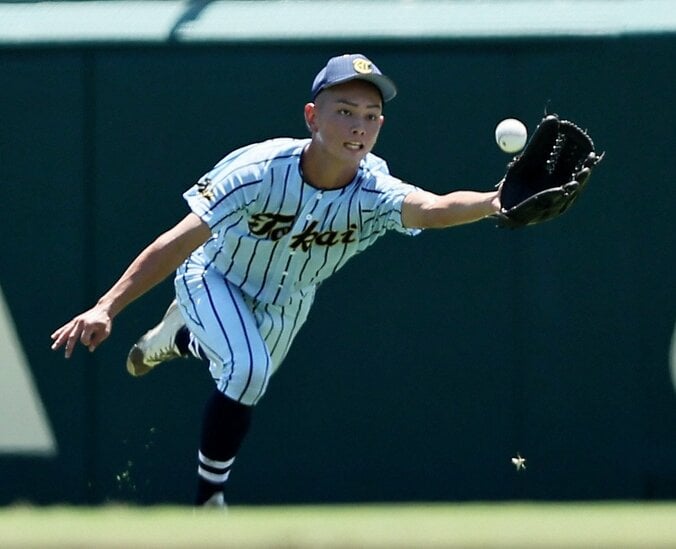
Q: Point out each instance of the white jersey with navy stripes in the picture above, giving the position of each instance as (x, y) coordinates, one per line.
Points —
(247, 291)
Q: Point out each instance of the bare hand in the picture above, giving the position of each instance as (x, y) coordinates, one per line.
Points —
(91, 328)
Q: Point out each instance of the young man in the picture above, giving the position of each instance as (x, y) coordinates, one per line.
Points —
(267, 224)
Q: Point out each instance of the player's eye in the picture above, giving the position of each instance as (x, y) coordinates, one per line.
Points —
(344, 112)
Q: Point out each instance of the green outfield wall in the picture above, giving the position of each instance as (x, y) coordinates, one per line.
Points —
(427, 363)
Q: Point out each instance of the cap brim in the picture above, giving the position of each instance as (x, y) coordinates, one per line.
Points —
(387, 88)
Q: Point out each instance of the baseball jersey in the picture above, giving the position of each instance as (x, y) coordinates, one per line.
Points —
(274, 234)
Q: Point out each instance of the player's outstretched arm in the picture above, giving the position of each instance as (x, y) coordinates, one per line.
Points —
(151, 266)
(426, 210)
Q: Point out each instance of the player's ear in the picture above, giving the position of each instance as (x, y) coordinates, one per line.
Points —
(310, 112)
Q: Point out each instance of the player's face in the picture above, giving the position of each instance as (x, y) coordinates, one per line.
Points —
(346, 120)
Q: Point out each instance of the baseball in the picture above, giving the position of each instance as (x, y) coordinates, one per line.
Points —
(511, 135)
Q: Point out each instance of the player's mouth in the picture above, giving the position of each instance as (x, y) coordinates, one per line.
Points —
(353, 145)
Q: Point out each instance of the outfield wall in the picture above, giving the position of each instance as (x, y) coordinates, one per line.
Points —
(428, 362)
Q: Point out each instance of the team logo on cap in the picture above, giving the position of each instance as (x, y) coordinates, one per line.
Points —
(362, 66)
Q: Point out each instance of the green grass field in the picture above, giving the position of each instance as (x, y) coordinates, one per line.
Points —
(520, 525)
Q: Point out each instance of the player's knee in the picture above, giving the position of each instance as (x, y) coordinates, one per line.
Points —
(247, 379)
(258, 385)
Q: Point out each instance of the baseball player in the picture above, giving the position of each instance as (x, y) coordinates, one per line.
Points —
(265, 226)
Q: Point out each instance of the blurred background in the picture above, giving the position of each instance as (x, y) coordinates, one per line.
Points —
(428, 362)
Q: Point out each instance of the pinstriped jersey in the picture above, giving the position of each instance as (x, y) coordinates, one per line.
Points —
(273, 234)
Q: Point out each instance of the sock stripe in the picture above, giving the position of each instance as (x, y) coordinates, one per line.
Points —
(212, 470)
(215, 470)
(214, 478)
(214, 463)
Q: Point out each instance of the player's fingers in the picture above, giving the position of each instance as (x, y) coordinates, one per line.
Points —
(93, 337)
(69, 336)
(60, 336)
(73, 337)
(87, 335)
(56, 336)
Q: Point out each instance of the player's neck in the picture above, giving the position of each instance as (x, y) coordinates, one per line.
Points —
(325, 172)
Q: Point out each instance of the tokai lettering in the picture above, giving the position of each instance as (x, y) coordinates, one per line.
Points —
(274, 226)
(326, 238)
(270, 225)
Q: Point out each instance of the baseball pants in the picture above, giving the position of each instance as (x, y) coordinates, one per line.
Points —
(245, 340)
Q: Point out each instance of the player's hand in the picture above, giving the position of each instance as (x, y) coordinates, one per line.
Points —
(90, 328)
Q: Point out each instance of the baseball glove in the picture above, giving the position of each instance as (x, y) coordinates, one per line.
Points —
(548, 176)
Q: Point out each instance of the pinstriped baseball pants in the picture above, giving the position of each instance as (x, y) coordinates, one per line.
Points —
(245, 340)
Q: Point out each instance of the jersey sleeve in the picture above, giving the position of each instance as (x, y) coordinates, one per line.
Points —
(391, 193)
(221, 195)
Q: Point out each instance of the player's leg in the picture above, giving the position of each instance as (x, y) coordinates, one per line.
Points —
(171, 339)
(279, 325)
(266, 332)
(220, 319)
(225, 424)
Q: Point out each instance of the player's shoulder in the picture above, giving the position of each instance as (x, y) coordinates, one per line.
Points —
(374, 165)
(376, 175)
(259, 156)
(278, 147)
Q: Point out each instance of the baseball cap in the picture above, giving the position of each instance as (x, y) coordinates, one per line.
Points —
(353, 66)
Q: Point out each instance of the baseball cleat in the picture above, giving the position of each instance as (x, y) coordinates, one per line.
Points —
(157, 345)
(217, 500)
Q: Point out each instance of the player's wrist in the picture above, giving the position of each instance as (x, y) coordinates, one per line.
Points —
(495, 202)
(106, 306)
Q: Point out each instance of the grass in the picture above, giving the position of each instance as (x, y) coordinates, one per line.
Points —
(522, 525)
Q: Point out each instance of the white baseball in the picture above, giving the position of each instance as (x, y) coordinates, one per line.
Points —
(511, 135)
